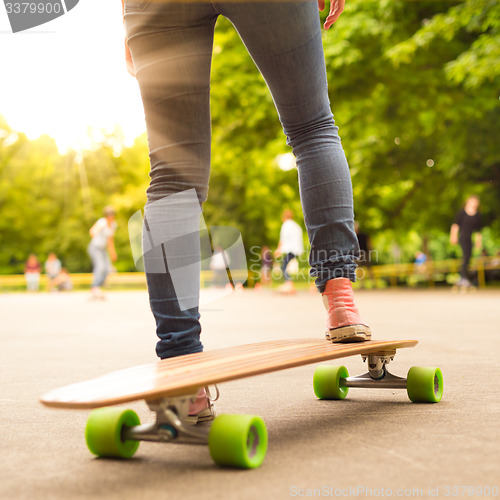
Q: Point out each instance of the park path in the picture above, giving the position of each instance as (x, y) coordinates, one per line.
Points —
(372, 444)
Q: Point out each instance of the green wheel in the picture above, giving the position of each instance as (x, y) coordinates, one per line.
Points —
(238, 441)
(104, 432)
(327, 382)
(425, 385)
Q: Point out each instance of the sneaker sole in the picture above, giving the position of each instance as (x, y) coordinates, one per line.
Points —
(350, 333)
(205, 415)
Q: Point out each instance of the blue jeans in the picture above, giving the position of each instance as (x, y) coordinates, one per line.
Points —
(101, 265)
(171, 45)
(286, 260)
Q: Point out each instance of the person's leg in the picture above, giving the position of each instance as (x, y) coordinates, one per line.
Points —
(466, 245)
(287, 287)
(284, 39)
(30, 282)
(107, 267)
(171, 45)
(99, 270)
(286, 260)
(96, 265)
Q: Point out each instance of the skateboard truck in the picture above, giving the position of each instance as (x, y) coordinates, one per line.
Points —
(422, 384)
(233, 440)
(378, 376)
(170, 424)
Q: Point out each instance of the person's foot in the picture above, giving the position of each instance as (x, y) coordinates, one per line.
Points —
(463, 282)
(201, 408)
(287, 288)
(344, 323)
(96, 293)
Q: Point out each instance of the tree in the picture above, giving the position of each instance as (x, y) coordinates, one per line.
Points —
(417, 118)
(414, 88)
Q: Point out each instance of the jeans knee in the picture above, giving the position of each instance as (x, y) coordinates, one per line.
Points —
(317, 133)
(167, 180)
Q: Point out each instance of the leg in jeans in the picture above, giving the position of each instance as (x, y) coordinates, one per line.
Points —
(286, 260)
(288, 286)
(284, 39)
(100, 265)
(171, 46)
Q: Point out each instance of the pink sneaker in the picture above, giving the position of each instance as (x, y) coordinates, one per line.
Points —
(344, 322)
(201, 408)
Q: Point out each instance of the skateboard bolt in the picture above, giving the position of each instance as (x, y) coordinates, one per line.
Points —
(167, 432)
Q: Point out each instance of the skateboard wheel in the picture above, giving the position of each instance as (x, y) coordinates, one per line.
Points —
(105, 429)
(424, 385)
(326, 382)
(238, 441)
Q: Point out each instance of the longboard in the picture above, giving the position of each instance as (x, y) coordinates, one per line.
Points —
(168, 387)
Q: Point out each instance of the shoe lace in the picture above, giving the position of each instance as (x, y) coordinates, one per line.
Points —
(209, 393)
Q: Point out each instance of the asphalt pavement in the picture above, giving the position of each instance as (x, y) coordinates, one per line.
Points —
(374, 444)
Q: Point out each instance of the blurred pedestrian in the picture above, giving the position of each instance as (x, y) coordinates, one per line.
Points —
(365, 255)
(364, 246)
(420, 259)
(32, 270)
(53, 267)
(219, 265)
(467, 222)
(62, 282)
(102, 250)
(291, 246)
(266, 266)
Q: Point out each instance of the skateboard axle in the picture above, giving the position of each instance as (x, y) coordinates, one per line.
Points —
(389, 381)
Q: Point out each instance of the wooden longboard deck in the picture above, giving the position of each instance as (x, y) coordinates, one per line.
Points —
(186, 374)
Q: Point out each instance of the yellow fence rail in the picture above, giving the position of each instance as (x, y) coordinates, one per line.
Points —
(430, 272)
(115, 280)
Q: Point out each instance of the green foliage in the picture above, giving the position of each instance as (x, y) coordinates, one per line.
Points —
(417, 129)
(49, 201)
(415, 90)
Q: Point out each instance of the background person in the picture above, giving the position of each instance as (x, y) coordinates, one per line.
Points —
(266, 266)
(53, 267)
(467, 222)
(219, 265)
(291, 246)
(32, 270)
(365, 255)
(102, 250)
(62, 282)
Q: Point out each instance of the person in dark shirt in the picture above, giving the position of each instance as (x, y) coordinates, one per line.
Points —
(467, 222)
